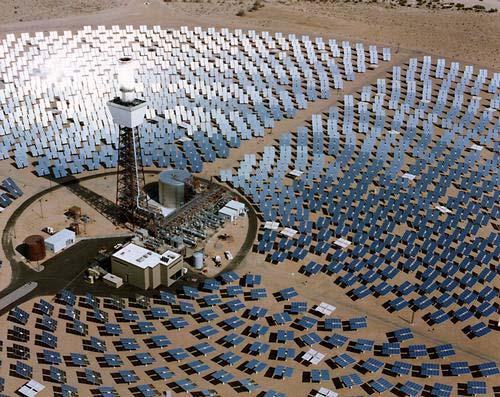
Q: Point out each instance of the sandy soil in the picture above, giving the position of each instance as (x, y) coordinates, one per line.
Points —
(29, 10)
(215, 245)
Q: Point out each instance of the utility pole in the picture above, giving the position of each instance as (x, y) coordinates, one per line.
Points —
(41, 208)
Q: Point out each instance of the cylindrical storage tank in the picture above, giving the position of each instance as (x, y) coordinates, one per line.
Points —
(171, 187)
(198, 259)
(35, 248)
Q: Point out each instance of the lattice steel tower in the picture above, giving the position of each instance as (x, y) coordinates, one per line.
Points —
(129, 112)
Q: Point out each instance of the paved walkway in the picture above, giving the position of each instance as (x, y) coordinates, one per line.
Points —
(17, 294)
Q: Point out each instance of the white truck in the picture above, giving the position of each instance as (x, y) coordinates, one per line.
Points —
(49, 230)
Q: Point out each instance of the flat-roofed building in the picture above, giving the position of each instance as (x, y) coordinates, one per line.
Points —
(146, 269)
(228, 213)
(59, 241)
(232, 210)
(237, 206)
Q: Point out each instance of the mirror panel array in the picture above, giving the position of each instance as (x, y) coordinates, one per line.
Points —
(391, 191)
(207, 91)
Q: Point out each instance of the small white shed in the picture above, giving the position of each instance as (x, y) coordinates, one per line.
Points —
(112, 280)
(59, 241)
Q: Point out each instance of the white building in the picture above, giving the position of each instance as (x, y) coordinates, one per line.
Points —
(60, 240)
(112, 280)
(238, 206)
(146, 269)
(228, 213)
(232, 210)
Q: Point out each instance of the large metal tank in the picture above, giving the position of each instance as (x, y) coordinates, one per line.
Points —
(198, 260)
(172, 188)
(35, 248)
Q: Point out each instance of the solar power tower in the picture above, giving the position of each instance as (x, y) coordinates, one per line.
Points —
(128, 112)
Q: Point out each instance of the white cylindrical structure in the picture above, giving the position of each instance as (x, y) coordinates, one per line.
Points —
(198, 259)
(126, 78)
